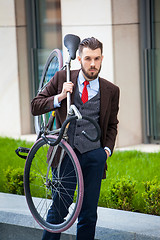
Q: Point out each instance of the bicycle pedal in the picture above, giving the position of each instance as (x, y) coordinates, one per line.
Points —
(22, 150)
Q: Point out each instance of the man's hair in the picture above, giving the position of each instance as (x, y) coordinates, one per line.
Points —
(91, 43)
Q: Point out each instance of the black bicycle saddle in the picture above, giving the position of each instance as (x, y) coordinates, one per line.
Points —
(71, 42)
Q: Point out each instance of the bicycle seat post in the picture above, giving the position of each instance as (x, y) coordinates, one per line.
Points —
(68, 80)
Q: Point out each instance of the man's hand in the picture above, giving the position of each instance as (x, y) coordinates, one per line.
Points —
(108, 154)
(67, 87)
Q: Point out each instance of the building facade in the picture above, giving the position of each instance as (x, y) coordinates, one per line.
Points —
(129, 30)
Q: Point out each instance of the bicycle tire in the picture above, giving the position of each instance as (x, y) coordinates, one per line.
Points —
(37, 171)
(53, 64)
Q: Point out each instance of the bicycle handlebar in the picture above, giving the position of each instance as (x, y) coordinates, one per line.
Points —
(70, 119)
(96, 127)
(60, 133)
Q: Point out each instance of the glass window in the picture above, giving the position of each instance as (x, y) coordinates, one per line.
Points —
(48, 34)
(155, 30)
(49, 24)
(150, 50)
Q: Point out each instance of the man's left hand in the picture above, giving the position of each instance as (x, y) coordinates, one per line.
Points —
(107, 152)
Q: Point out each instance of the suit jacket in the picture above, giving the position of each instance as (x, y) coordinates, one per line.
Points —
(109, 105)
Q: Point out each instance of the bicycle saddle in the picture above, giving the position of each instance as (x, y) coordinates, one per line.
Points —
(71, 42)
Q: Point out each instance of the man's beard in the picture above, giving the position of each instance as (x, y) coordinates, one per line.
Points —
(90, 75)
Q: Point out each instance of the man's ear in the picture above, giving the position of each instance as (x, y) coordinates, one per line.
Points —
(79, 59)
(102, 58)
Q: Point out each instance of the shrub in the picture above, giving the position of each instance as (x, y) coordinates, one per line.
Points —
(121, 194)
(152, 197)
(14, 180)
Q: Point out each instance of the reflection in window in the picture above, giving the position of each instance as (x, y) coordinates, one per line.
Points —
(48, 34)
(49, 29)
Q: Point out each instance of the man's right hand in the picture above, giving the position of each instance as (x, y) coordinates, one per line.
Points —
(67, 87)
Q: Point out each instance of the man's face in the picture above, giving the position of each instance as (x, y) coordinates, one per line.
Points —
(90, 61)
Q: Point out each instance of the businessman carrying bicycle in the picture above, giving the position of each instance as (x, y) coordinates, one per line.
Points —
(98, 99)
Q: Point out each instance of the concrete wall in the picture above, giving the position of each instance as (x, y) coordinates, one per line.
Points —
(87, 19)
(127, 70)
(14, 90)
(9, 94)
(22, 59)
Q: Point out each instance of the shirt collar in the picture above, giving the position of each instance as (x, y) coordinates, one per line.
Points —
(93, 84)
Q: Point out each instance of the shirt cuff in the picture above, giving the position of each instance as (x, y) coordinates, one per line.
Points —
(56, 103)
(109, 150)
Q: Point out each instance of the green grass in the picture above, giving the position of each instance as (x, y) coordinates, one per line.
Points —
(136, 165)
(8, 156)
(140, 167)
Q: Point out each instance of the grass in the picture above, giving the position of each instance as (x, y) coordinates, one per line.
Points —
(140, 167)
(8, 156)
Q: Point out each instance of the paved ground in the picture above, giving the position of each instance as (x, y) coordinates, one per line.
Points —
(142, 147)
(112, 224)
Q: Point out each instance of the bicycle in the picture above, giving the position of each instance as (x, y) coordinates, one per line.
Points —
(52, 164)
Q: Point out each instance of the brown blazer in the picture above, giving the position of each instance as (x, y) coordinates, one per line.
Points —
(109, 105)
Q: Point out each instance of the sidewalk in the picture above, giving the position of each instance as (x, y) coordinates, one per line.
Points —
(142, 147)
(16, 220)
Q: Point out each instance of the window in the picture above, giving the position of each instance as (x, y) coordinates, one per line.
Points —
(44, 35)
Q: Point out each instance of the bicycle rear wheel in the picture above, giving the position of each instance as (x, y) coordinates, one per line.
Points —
(53, 64)
(55, 187)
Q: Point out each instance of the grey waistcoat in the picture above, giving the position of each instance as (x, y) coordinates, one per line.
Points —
(76, 138)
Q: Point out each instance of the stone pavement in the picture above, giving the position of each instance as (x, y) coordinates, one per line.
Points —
(16, 223)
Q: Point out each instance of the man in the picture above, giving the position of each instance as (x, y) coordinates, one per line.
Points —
(99, 99)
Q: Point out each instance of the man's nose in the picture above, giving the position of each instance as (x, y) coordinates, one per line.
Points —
(92, 62)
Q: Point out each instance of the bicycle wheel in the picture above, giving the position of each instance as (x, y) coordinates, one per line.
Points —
(53, 64)
(53, 183)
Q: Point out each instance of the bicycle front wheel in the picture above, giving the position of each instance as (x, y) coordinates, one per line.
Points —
(53, 185)
(53, 64)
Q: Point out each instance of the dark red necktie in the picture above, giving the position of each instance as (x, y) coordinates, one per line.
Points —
(85, 92)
